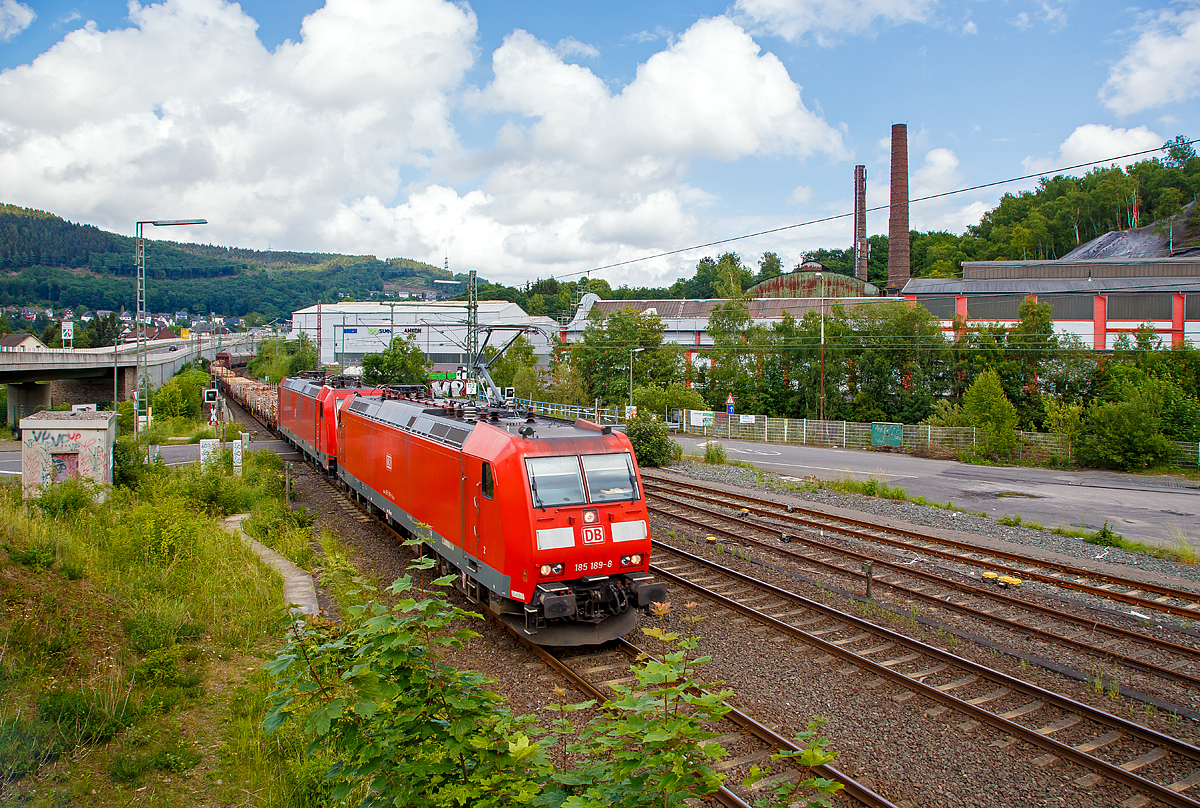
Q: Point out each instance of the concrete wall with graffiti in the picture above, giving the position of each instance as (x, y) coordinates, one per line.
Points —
(57, 446)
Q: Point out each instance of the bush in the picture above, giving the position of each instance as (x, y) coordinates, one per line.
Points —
(651, 443)
(66, 498)
(1122, 435)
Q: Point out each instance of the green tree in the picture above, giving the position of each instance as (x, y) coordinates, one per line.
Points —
(769, 266)
(402, 362)
(989, 410)
(602, 356)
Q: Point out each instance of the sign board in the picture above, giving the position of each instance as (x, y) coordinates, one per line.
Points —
(68, 330)
(237, 457)
(185, 333)
(472, 388)
(745, 419)
(83, 408)
(700, 418)
(349, 330)
(210, 452)
(729, 409)
(883, 434)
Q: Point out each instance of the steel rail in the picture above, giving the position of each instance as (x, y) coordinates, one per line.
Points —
(902, 569)
(1113, 771)
(764, 733)
(780, 513)
(723, 795)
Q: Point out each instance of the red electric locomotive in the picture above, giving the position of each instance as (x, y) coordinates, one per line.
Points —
(307, 408)
(544, 521)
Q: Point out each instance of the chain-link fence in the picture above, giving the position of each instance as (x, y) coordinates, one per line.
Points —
(1042, 447)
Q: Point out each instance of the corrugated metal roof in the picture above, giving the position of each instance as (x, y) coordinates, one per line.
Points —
(1082, 268)
(759, 308)
(1045, 286)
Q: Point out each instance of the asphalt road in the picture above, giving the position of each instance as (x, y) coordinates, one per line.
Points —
(1149, 509)
(1144, 508)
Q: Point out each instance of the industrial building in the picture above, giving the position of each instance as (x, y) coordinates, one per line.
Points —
(346, 332)
(1095, 299)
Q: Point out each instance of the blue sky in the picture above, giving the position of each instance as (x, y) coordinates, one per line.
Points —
(541, 138)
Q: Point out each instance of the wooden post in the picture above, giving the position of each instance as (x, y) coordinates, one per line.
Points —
(868, 570)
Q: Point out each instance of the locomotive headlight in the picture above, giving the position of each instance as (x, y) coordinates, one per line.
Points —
(557, 569)
(590, 516)
(635, 559)
(546, 570)
(631, 560)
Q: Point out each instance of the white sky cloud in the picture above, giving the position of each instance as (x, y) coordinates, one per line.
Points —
(571, 46)
(15, 17)
(1095, 141)
(1161, 67)
(186, 113)
(825, 19)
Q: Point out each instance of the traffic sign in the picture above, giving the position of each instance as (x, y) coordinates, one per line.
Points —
(729, 401)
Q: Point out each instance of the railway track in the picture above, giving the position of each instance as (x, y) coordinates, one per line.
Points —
(989, 606)
(748, 740)
(1142, 594)
(1152, 764)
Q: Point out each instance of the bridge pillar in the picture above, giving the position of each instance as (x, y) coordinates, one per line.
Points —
(25, 399)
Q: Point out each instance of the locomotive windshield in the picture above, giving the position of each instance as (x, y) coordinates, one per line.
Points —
(555, 481)
(610, 478)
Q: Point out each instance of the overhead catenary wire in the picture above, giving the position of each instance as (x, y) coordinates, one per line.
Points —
(835, 217)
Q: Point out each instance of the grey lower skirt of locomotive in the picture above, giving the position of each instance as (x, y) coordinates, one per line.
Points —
(586, 611)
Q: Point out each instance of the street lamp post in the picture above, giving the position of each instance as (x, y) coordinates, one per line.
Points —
(139, 254)
(821, 278)
(632, 351)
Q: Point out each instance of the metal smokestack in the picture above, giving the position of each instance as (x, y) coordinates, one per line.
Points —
(898, 258)
(860, 223)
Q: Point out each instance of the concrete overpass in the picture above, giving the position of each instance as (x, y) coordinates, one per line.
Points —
(87, 375)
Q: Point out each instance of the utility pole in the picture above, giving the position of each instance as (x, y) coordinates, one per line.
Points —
(472, 320)
(141, 316)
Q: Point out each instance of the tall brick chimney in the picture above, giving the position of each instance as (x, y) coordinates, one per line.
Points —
(860, 223)
(898, 258)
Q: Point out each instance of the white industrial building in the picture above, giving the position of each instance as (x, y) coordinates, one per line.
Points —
(350, 331)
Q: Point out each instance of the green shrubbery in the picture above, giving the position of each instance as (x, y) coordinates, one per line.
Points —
(407, 729)
(651, 441)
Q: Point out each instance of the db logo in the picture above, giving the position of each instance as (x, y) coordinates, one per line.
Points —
(593, 534)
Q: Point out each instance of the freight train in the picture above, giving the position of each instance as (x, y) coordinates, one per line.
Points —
(542, 521)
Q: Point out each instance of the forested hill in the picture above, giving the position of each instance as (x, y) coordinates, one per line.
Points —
(47, 260)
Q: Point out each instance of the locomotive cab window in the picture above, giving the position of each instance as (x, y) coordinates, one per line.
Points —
(555, 481)
(610, 478)
(489, 483)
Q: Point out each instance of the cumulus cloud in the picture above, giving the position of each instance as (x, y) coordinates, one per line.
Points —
(1095, 141)
(969, 27)
(15, 17)
(938, 173)
(1161, 67)
(825, 19)
(186, 113)
(582, 173)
